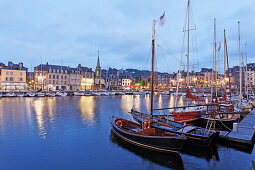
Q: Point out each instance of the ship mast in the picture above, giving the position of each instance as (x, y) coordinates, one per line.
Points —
(188, 30)
(215, 60)
(240, 68)
(152, 64)
(226, 66)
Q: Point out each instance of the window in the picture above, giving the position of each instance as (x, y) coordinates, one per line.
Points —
(53, 76)
(61, 77)
(49, 81)
(49, 76)
(53, 81)
(20, 79)
(11, 73)
(7, 72)
(20, 73)
(57, 76)
(7, 78)
(65, 77)
(11, 78)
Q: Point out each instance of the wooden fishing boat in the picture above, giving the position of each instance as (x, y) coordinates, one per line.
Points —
(191, 114)
(219, 114)
(194, 134)
(143, 135)
(146, 137)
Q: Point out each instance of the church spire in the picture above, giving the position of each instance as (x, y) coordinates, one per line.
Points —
(98, 61)
(98, 68)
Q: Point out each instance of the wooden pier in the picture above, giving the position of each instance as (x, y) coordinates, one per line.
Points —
(245, 131)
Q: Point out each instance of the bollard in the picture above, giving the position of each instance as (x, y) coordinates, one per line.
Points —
(235, 127)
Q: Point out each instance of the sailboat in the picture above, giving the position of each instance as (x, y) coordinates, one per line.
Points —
(221, 114)
(192, 113)
(143, 135)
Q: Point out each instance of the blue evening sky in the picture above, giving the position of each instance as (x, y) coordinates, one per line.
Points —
(71, 32)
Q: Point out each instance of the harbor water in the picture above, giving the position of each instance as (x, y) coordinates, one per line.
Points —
(74, 132)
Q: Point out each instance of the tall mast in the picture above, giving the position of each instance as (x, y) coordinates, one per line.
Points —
(188, 22)
(246, 69)
(226, 66)
(225, 56)
(152, 64)
(240, 58)
(41, 73)
(215, 59)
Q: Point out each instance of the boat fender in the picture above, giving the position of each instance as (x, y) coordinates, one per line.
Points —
(146, 124)
(221, 116)
(119, 123)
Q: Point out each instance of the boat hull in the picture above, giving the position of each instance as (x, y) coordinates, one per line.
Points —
(201, 138)
(191, 116)
(220, 124)
(156, 143)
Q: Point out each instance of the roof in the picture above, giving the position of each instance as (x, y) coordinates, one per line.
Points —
(12, 66)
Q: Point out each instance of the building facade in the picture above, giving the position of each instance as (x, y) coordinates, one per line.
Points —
(54, 77)
(13, 77)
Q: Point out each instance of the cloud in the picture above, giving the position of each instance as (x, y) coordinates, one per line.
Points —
(71, 32)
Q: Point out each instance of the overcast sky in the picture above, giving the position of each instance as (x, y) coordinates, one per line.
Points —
(71, 32)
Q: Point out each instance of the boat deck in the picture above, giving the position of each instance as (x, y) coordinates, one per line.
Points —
(245, 132)
(186, 129)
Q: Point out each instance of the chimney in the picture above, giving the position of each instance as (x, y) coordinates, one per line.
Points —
(10, 63)
(20, 65)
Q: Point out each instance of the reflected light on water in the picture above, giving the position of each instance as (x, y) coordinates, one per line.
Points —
(28, 110)
(87, 108)
(160, 104)
(51, 107)
(39, 110)
(147, 102)
(180, 101)
(137, 104)
(127, 103)
(172, 101)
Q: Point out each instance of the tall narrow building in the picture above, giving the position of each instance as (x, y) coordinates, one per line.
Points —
(98, 68)
(99, 82)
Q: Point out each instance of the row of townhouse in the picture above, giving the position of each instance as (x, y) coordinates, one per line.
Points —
(54, 77)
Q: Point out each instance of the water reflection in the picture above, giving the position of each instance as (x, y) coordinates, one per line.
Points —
(39, 115)
(51, 108)
(206, 152)
(127, 103)
(147, 102)
(137, 103)
(169, 160)
(87, 108)
(24, 122)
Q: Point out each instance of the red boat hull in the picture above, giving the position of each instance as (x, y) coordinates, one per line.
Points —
(191, 116)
